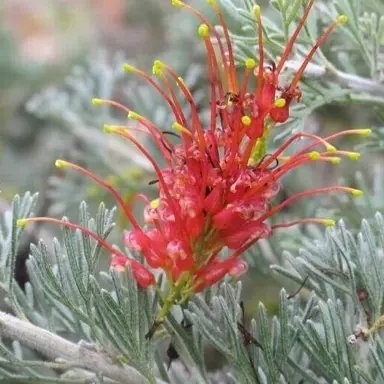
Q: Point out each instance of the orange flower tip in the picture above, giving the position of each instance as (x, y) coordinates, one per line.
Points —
(314, 155)
(280, 103)
(61, 163)
(334, 160)
(155, 203)
(21, 222)
(129, 68)
(133, 115)
(246, 120)
(256, 10)
(330, 148)
(250, 63)
(180, 79)
(356, 192)
(203, 31)
(97, 101)
(178, 3)
(342, 19)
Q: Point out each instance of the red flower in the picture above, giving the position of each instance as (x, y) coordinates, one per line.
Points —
(218, 186)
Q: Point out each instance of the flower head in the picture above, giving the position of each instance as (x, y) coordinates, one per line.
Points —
(218, 186)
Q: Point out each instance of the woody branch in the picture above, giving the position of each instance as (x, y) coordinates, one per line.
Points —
(55, 347)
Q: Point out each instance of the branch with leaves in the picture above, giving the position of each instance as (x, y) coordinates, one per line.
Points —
(56, 348)
(174, 280)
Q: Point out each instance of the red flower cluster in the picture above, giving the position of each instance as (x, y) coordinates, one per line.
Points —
(218, 186)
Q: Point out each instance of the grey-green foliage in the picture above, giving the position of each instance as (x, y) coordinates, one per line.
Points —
(307, 340)
(14, 363)
(351, 209)
(117, 317)
(66, 296)
(338, 268)
(375, 143)
(102, 76)
(9, 239)
(271, 361)
(68, 106)
(349, 73)
(271, 251)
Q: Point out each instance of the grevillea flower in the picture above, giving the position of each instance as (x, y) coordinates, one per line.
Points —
(218, 186)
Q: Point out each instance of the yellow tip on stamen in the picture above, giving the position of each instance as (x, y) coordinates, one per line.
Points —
(256, 10)
(329, 222)
(21, 222)
(60, 163)
(342, 19)
(280, 103)
(180, 79)
(334, 160)
(129, 68)
(108, 128)
(356, 192)
(330, 148)
(246, 120)
(363, 132)
(314, 155)
(157, 71)
(133, 115)
(212, 3)
(353, 155)
(97, 101)
(155, 203)
(159, 64)
(178, 3)
(250, 63)
(179, 128)
(203, 30)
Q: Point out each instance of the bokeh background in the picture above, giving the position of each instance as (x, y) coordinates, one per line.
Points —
(40, 42)
(57, 55)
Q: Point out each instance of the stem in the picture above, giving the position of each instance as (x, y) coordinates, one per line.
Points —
(173, 297)
(55, 347)
(349, 80)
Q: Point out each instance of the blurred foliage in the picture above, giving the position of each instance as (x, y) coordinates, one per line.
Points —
(39, 45)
